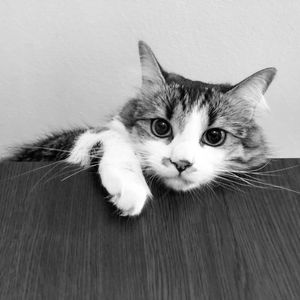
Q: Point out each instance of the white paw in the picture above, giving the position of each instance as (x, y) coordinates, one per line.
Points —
(129, 191)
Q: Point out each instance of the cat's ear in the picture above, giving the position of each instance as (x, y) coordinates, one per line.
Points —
(152, 76)
(253, 88)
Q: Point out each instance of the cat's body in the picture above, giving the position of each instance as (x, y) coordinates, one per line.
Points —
(185, 133)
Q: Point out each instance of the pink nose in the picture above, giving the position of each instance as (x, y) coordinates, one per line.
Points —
(181, 165)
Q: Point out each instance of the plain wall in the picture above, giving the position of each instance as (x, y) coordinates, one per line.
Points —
(69, 63)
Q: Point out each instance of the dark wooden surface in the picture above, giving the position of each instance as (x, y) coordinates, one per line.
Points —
(61, 240)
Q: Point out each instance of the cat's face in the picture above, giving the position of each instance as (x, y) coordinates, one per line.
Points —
(182, 151)
(189, 133)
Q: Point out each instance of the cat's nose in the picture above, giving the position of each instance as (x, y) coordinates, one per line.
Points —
(181, 165)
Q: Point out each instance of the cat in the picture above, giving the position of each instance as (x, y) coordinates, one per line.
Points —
(185, 133)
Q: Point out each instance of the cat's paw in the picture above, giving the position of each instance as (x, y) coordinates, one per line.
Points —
(131, 200)
(129, 191)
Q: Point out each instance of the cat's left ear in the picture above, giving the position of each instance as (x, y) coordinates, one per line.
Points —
(253, 88)
(152, 73)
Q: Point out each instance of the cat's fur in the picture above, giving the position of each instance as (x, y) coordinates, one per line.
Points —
(127, 148)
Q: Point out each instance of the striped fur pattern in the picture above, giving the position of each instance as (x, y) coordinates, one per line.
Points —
(128, 148)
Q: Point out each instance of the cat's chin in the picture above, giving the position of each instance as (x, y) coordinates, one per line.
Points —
(180, 184)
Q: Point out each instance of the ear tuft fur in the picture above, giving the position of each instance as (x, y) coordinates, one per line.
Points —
(151, 70)
(253, 88)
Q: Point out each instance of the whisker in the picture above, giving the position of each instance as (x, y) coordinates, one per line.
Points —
(40, 180)
(252, 173)
(79, 171)
(238, 177)
(45, 148)
(251, 181)
(62, 173)
(34, 170)
(228, 186)
(274, 186)
(234, 182)
(61, 150)
(280, 170)
(265, 173)
(210, 187)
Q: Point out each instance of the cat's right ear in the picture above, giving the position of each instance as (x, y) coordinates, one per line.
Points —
(152, 73)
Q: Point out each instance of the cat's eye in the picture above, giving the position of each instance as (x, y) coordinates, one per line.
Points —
(214, 137)
(161, 128)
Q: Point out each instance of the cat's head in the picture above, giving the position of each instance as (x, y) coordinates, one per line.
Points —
(187, 133)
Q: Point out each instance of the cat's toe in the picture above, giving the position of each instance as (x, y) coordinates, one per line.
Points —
(131, 200)
(129, 190)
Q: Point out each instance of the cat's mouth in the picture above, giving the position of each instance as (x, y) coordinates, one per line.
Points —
(179, 183)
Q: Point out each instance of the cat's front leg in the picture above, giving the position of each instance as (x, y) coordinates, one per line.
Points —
(119, 168)
(121, 174)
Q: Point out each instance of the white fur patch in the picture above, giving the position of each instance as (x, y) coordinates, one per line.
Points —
(119, 168)
(185, 144)
(80, 153)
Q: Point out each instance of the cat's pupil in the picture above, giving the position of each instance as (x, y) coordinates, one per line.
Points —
(214, 136)
(160, 127)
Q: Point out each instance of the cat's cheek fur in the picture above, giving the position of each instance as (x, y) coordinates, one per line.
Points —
(151, 153)
(210, 161)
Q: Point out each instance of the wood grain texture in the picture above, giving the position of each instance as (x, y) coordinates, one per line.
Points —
(60, 239)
